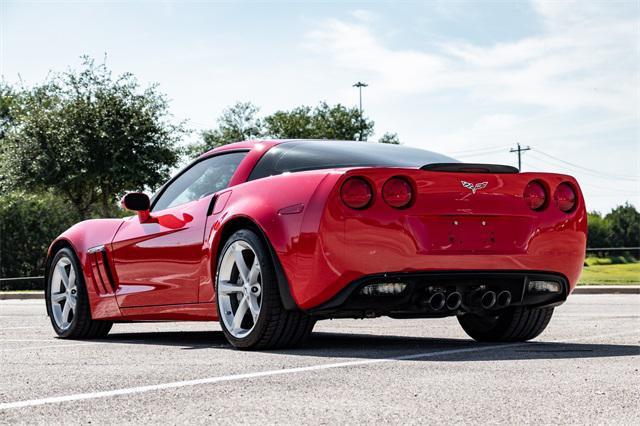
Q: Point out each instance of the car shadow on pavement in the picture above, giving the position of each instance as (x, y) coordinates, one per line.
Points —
(371, 346)
(384, 346)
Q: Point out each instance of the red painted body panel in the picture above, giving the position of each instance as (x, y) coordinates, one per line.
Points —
(160, 262)
(82, 237)
(447, 228)
(165, 269)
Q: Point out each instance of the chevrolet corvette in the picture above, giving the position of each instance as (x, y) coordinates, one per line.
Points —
(268, 237)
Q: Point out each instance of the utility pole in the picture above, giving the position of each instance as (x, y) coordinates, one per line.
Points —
(360, 85)
(520, 150)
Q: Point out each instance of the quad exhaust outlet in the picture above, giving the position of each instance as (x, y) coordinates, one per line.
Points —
(437, 301)
(503, 299)
(454, 300)
(488, 300)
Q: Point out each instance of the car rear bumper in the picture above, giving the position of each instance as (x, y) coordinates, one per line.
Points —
(445, 230)
(419, 287)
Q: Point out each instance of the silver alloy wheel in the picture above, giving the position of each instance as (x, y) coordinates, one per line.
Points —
(239, 288)
(64, 293)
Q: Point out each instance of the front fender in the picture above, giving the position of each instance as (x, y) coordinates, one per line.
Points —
(81, 237)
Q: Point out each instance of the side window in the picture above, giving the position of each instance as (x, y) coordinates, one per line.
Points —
(203, 178)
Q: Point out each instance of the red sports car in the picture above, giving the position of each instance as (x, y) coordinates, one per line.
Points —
(270, 236)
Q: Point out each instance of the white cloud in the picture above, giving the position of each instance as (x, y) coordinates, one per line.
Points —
(584, 58)
(364, 15)
(571, 90)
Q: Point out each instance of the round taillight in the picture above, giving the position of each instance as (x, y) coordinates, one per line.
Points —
(397, 192)
(535, 195)
(565, 197)
(356, 193)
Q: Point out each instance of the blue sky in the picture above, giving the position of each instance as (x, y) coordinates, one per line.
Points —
(468, 79)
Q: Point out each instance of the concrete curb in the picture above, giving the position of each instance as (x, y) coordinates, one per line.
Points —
(607, 289)
(21, 295)
(582, 289)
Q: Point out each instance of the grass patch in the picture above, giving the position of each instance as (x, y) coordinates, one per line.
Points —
(610, 274)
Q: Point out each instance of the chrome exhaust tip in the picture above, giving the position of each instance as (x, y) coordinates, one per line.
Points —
(454, 300)
(503, 299)
(488, 299)
(436, 301)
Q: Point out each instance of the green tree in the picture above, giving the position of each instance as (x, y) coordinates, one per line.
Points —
(599, 233)
(237, 123)
(335, 122)
(89, 137)
(390, 138)
(9, 108)
(295, 124)
(624, 223)
(241, 122)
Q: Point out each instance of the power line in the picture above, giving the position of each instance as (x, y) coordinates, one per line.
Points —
(481, 154)
(493, 147)
(588, 172)
(613, 176)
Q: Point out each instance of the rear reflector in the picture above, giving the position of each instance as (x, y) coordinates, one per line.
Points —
(397, 192)
(565, 197)
(543, 287)
(356, 193)
(383, 289)
(535, 195)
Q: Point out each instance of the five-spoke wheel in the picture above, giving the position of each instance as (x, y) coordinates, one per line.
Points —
(239, 288)
(67, 299)
(64, 292)
(248, 297)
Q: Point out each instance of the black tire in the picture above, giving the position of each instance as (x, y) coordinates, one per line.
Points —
(82, 326)
(515, 324)
(275, 326)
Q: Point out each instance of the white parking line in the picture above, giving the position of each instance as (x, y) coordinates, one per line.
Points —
(22, 328)
(245, 376)
(26, 348)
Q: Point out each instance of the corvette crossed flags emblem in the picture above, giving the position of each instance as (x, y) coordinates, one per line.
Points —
(473, 187)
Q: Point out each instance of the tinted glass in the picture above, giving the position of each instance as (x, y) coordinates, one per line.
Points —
(203, 178)
(298, 156)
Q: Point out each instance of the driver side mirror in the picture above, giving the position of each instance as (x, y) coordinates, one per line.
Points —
(138, 202)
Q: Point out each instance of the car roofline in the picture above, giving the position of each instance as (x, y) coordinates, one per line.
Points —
(262, 144)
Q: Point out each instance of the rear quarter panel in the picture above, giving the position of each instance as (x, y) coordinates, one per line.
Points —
(287, 208)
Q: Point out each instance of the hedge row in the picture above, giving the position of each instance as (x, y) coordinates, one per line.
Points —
(28, 224)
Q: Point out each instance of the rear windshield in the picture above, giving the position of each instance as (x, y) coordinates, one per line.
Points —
(297, 156)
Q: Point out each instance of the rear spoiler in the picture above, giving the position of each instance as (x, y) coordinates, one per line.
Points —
(469, 168)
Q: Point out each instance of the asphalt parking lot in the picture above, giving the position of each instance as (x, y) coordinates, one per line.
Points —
(583, 369)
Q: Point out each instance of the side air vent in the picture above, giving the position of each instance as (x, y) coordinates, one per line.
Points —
(101, 271)
(469, 168)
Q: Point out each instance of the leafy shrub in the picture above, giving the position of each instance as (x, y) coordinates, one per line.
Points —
(618, 260)
(28, 224)
(594, 260)
(610, 260)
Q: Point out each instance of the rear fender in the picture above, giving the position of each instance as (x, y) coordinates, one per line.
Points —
(281, 208)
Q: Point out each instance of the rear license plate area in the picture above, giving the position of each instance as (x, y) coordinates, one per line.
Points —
(477, 234)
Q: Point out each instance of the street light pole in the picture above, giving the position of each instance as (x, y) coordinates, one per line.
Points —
(360, 85)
